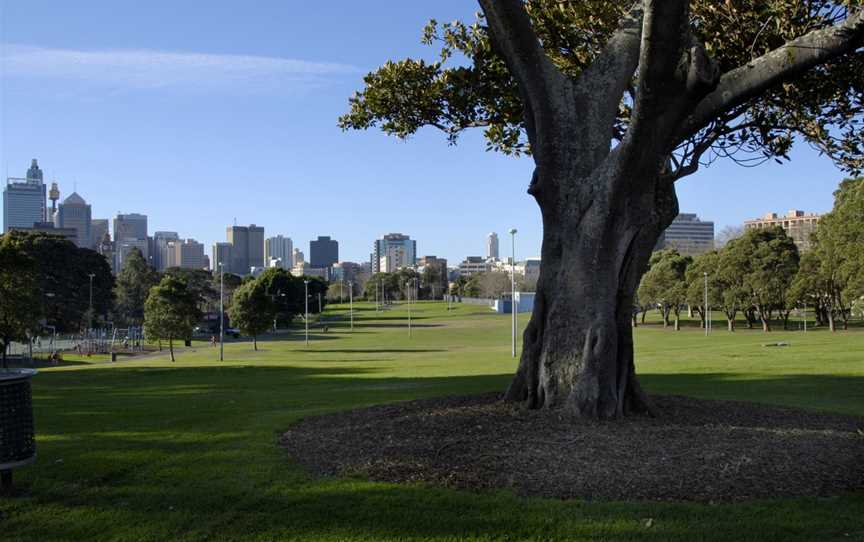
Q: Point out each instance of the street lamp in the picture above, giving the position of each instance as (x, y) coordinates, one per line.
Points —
(707, 317)
(306, 302)
(91, 300)
(513, 308)
(221, 312)
(351, 302)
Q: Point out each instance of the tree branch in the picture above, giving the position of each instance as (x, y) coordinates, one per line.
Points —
(754, 78)
(539, 81)
(665, 33)
(611, 73)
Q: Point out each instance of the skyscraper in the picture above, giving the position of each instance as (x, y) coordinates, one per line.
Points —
(492, 246)
(279, 248)
(24, 200)
(323, 252)
(222, 258)
(98, 229)
(393, 250)
(188, 254)
(161, 249)
(130, 226)
(75, 213)
(247, 248)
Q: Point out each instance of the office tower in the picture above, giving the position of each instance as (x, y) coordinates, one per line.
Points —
(24, 200)
(798, 225)
(98, 229)
(345, 271)
(279, 248)
(247, 247)
(256, 246)
(298, 257)
(161, 239)
(394, 250)
(223, 256)
(492, 246)
(122, 249)
(323, 252)
(188, 254)
(688, 235)
(75, 213)
(130, 226)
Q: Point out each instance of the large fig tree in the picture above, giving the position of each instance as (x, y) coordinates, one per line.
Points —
(615, 103)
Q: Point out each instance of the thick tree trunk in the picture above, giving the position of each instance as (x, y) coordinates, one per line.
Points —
(730, 324)
(255, 343)
(677, 321)
(831, 323)
(644, 314)
(578, 347)
(171, 347)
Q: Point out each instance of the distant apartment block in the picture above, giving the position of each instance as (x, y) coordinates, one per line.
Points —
(473, 265)
(393, 251)
(323, 252)
(798, 225)
(223, 255)
(688, 235)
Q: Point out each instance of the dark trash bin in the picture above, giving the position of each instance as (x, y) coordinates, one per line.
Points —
(17, 435)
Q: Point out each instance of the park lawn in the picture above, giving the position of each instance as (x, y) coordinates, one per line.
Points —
(152, 450)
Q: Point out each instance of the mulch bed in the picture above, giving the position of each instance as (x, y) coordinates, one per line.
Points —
(698, 450)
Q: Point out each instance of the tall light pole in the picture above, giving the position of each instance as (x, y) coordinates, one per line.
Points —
(306, 301)
(221, 311)
(351, 302)
(705, 301)
(513, 308)
(410, 290)
(90, 324)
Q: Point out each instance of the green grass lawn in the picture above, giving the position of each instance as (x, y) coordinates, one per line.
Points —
(147, 449)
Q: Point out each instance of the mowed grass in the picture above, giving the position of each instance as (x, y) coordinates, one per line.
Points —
(154, 450)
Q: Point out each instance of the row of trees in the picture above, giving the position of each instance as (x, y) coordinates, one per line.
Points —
(762, 276)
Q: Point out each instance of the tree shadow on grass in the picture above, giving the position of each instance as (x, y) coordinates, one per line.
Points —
(154, 452)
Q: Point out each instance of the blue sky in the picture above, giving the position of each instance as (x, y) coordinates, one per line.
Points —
(199, 112)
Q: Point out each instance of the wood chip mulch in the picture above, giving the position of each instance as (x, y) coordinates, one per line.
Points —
(697, 450)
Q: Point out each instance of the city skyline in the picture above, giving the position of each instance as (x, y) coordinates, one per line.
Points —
(221, 132)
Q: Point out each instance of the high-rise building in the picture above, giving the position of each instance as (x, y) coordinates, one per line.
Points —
(798, 225)
(124, 247)
(160, 256)
(54, 196)
(492, 246)
(75, 213)
(688, 235)
(98, 229)
(24, 200)
(188, 254)
(223, 256)
(130, 226)
(298, 257)
(323, 252)
(248, 248)
(279, 248)
(393, 250)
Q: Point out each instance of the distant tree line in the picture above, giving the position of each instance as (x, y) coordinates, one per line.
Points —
(761, 275)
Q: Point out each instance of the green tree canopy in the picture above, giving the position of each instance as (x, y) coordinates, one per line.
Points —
(20, 296)
(171, 311)
(63, 274)
(133, 286)
(252, 309)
